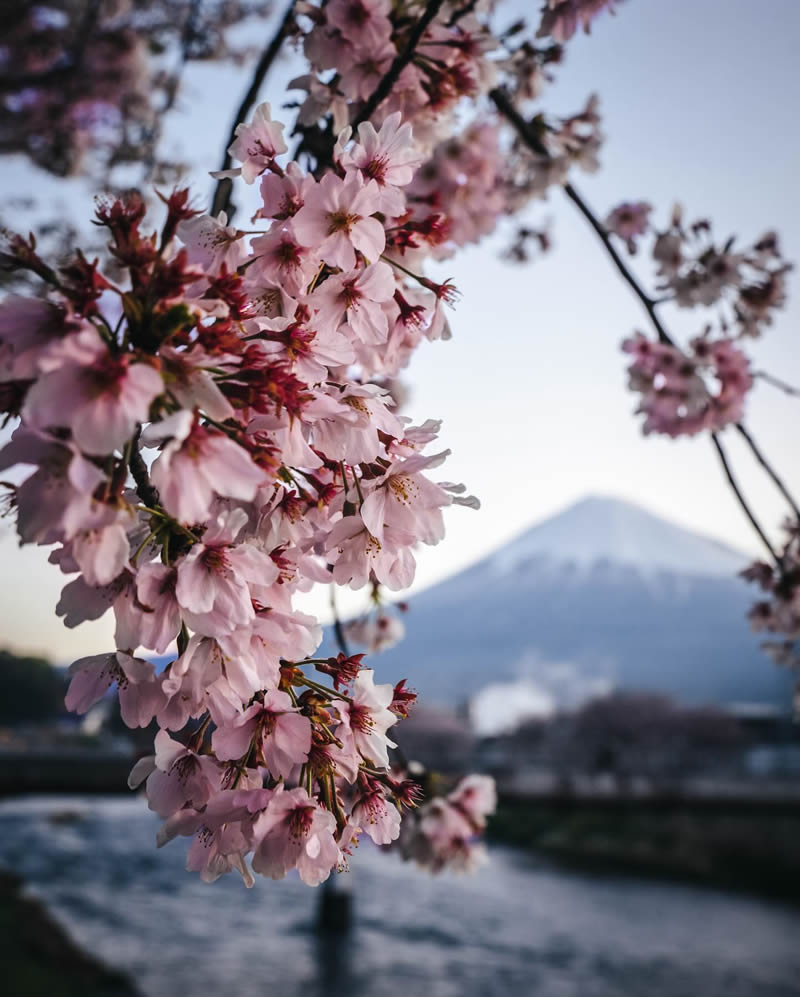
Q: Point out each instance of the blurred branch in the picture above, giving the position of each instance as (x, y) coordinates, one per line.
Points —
(776, 382)
(773, 474)
(338, 629)
(221, 200)
(742, 502)
(504, 105)
(532, 140)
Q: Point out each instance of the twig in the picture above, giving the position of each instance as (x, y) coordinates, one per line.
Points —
(741, 499)
(221, 200)
(773, 474)
(523, 128)
(401, 60)
(338, 629)
(504, 105)
(776, 382)
(146, 490)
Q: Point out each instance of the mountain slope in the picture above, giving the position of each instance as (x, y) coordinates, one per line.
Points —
(602, 594)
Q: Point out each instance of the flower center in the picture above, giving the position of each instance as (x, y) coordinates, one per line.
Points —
(341, 221)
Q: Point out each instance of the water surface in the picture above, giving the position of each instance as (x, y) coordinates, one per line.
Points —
(516, 927)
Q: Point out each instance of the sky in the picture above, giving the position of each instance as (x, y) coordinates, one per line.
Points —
(695, 98)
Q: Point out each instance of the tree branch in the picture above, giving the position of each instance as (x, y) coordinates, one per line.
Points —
(401, 60)
(145, 488)
(531, 139)
(338, 629)
(776, 382)
(221, 200)
(773, 474)
(741, 499)
(504, 105)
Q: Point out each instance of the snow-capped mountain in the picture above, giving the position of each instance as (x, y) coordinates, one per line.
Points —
(603, 594)
(599, 530)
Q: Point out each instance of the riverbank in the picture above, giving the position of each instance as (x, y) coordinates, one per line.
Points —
(40, 960)
(742, 849)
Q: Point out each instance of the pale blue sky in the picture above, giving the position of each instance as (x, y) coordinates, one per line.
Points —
(696, 98)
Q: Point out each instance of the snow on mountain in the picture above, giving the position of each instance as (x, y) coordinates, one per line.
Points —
(597, 530)
(604, 593)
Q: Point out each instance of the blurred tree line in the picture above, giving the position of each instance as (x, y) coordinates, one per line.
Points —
(31, 690)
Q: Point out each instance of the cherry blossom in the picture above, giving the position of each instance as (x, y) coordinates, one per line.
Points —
(336, 219)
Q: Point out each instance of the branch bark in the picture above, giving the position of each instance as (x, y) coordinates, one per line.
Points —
(741, 499)
(223, 190)
(338, 629)
(401, 60)
(527, 134)
(145, 488)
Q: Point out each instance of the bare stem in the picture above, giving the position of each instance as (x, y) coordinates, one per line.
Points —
(532, 140)
(221, 200)
(741, 499)
(338, 629)
(401, 60)
(504, 105)
(144, 486)
(773, 474)
(776, 382)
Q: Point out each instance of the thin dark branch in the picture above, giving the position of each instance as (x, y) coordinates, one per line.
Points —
(504, 105)
(529, 136)
(401, 60)
(776, 382)
(144, 486)
(773, 474)
(647, 302)
(221, 200)
(153, 134)
(457, 15)
(741, 499)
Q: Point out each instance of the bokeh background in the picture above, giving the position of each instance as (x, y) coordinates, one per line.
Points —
(584, 639)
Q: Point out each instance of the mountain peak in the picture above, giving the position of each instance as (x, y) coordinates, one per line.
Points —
(605, 529)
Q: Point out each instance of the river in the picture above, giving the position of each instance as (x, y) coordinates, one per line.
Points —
(518, 926)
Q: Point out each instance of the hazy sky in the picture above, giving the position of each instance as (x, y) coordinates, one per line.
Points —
(696, 98)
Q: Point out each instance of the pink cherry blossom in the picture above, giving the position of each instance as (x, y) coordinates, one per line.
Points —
(257, 144)
(197, 464)
(295, 832)
(378, 818)
(357, 296)
(140, 696)
(180, 778)
(274, 727)
(101, 403)
(336, 220)
(388, 156)
(212, 244)
(629, 220)
(282, 260)
(369, 717)
(56, 500)
(364, 23)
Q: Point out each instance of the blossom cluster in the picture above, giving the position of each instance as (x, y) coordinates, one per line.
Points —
(240, 364)
(686, 392)
(696, 271)
(83, 85)
(702, 387)
(445, 832)
(779, 611)
(471, 176)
